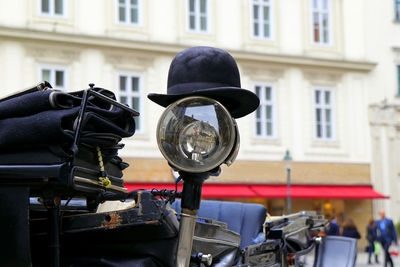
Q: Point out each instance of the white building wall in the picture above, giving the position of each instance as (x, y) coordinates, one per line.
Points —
(163, 23)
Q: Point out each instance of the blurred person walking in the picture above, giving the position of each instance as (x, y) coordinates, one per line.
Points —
(333, 227)
(349, 229)
(386, 235)
(372, 238)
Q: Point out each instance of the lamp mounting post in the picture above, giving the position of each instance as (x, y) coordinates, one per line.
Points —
(288, 164)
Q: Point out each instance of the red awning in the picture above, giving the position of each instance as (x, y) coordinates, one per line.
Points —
(318, 191)
(212, 190)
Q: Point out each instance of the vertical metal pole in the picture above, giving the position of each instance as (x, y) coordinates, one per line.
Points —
(289, 202)
(186, 233)
(54, 241)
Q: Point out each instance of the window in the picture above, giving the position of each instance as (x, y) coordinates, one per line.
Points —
(397, 10)
(261, 15)
(265, 125)
(130, 94)
(55, 76)
(128, 11)
(198, 14)
(52, 7)
(320, 21)
(323, 105)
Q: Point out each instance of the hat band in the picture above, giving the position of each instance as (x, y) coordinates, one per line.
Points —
(187, 88)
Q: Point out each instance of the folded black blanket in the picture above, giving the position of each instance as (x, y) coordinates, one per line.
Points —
(35, 102)
(58, 126)
(51, 117)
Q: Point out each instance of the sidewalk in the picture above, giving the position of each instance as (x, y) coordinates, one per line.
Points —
(362, 260)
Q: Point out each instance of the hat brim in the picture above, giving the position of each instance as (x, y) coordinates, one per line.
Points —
(239, 102)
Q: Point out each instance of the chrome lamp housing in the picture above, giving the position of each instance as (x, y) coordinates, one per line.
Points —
(197, 134)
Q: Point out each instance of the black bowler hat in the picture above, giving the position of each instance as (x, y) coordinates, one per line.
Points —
(211, 72)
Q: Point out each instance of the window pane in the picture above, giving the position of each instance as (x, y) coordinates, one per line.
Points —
(122, 2)
(316, 27)
(258, 89)
(258, 113)
(123, 99)
(122, 83)
(397, 10)
(134, 15)
(255, 12)
(46, 75)
(325, 4)
(258, 126)
(266, 13)
(326, 36)
(327, 97)
(269, 128)
(191, 5)
(319, 133)
(134, 2)
(45, 6)
(317, 94)
(135, 103)
(255, 29)
(328, 131)
(268, 112)
(266, 30)
(191, 22)
(398, 81)
(325, 28)
(318, 115)
(328, 115)
(59, 78)
(121, 12)
(203, 6)
(315, 3)
(203, 23)
(268, 93)
(135, 84)
(58, 7)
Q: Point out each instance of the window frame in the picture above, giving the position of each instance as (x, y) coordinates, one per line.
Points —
(261, 4)
(263, 103)
(328, 11)
(324, 107)
(139, 94)
(52, 81)
(127, 7)
(51, 12)
(197, 17)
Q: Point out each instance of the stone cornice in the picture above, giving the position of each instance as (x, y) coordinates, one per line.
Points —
(37, 36)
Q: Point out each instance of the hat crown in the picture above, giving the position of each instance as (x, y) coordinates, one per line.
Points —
(202, 67)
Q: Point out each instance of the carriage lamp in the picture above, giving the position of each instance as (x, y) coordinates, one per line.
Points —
(197, 134)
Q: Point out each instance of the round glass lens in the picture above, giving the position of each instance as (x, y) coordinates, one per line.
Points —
(196, 134)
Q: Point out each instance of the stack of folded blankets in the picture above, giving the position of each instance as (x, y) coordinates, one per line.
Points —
(37, 128)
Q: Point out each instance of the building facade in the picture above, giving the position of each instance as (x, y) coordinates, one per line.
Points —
(311, 63)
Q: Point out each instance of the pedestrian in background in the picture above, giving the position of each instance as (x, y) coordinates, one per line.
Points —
(386, 234)
(349, 229)
(333, 227)
(371, 237)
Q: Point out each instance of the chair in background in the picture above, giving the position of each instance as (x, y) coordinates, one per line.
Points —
(335, 251)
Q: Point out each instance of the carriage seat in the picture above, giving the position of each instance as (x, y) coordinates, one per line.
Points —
(243, 218)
